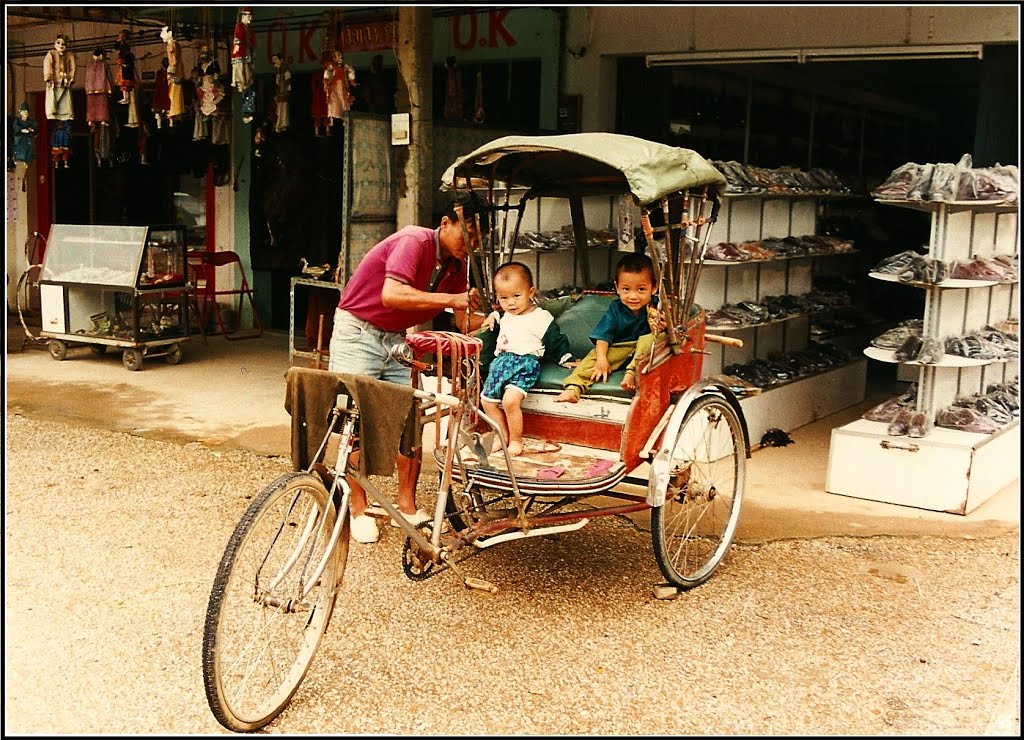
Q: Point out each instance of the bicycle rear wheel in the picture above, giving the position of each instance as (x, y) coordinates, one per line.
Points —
(261, 633)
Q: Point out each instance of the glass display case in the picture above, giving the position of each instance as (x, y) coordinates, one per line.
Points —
(122, 286)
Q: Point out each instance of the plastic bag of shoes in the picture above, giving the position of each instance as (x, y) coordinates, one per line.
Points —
(909, 350)
(900, 424)
(931, 350)
(965, 420)
(920, 424)
(884, 412)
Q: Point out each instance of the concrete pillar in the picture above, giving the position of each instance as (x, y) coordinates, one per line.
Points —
(415, 95)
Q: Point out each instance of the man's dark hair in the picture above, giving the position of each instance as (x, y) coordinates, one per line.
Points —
(509, 269)
(472, 206)
(635, 263)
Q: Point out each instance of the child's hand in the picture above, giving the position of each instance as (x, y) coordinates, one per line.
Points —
(489, 322)
(656, 319)
(601, 369)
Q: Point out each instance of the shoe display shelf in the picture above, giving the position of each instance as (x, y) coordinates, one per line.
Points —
(947, 469)
(752, 217)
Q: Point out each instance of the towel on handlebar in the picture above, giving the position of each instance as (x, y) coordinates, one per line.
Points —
(388, 422)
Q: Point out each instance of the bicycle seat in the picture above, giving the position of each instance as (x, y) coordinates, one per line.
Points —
(444, 342)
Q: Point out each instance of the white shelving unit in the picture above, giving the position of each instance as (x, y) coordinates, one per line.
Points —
(946, 470)
(750, 217)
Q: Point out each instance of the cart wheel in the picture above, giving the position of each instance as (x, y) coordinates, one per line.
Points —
(173, 356)
(58, 349)
(262, 626)
(132, 359)
(693, 529)
(98, 349)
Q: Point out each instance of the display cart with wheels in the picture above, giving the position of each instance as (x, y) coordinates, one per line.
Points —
(115, 286)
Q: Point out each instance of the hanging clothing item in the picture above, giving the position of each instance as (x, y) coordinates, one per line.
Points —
(59, 74)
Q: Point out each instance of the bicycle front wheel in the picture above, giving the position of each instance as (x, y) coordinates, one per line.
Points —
(264, 619)
(694, 528)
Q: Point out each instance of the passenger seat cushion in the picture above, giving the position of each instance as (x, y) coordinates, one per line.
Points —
(577, 321)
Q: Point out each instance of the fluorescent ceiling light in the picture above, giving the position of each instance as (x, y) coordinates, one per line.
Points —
(723, 57)
(838, 54)
(892, 53)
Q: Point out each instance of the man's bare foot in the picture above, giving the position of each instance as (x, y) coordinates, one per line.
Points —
(515, 448)
(629, 381)
(567, 396)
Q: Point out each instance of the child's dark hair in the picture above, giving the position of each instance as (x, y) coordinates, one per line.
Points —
(509, 269)
(635, 263)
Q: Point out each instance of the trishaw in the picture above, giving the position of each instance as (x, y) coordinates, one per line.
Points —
(282, 572)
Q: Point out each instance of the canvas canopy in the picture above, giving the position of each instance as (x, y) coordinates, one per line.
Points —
(585, 164)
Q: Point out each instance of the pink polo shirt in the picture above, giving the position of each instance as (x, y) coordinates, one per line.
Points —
(409, 256)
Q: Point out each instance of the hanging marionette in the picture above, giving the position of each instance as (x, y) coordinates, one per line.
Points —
(59, 74)
(60, 146)
(98, 88)
(206, 76)
(241, 63)
(125, 66)
(318, 100)
(452, 90)
(101, 139)
(175, 76)
(282, 92)
(339, 79)
(161, 102)
(24, 129)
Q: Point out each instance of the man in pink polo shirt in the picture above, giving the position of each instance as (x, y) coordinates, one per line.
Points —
(404, 281)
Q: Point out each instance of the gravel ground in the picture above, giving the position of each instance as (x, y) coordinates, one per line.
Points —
(112, 541)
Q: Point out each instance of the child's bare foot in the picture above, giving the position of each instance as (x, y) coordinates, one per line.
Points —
(629, 381)
(515, 448)
(569, 395)
(496, 444)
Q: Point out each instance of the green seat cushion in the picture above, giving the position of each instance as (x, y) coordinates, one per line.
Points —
(577, 321)
(551, 376)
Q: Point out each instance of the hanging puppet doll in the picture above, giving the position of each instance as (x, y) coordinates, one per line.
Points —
(175, 76)
(59, 74)
(318, 104)
(241, 63)
(125, 67)
(98, 88)
(206, 76)
(452, 90)
(24, 129)
(161, 103)
(339, 79)
(282, 91)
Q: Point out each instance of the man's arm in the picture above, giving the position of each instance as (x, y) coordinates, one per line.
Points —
(397, 294)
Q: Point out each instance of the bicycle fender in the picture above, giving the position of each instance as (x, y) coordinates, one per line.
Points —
(657, 481)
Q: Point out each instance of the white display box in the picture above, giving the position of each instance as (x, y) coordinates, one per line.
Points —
(802, 401)
(946, 470)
